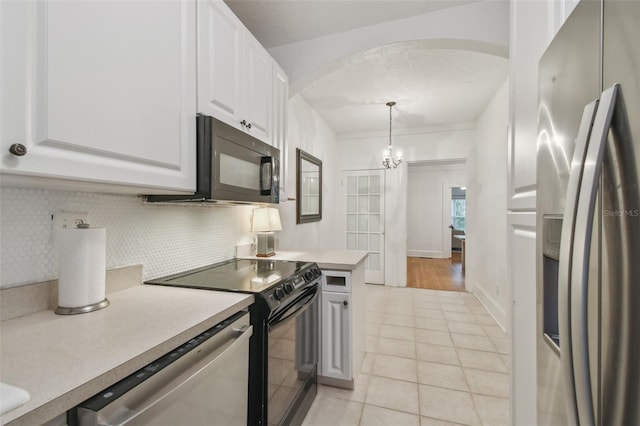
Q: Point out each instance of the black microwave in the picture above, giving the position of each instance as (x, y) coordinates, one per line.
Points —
(232, 167)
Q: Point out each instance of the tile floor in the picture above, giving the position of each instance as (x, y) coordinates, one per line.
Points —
(432, 358)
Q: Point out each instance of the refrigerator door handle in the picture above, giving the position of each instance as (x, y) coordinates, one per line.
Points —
(580, 259)
(566, 253)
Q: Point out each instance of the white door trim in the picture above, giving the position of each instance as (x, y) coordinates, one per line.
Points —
(446, 216)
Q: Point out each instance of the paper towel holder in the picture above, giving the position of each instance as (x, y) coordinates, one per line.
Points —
(62, 310)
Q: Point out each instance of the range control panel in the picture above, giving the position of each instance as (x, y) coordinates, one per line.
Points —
(289, 287)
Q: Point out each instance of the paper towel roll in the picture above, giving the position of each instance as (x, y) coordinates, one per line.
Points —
(81, 266)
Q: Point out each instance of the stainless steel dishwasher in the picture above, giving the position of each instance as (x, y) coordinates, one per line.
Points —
(202, 382)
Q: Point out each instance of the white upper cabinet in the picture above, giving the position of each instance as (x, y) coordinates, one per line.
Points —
(220, 57)
(234, 72)
(279, 114)
(259, 94)
(101, 92)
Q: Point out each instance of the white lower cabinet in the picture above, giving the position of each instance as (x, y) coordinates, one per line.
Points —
(526, 306)
(342, 322)
(101, 92)
(336, 335)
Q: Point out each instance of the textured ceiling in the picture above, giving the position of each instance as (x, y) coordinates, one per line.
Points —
(432, 87)
(278, 22)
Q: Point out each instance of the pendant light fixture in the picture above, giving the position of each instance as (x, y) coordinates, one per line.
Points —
(388, 161)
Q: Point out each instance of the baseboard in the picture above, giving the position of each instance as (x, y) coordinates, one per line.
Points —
(425, 253)
(491, 305)
(339, 383)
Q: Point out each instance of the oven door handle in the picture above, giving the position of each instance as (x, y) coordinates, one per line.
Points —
(296, 309)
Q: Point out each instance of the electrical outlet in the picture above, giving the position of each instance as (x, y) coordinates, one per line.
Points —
(68, 220)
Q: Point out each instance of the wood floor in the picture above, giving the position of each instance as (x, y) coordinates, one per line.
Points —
(436, 274)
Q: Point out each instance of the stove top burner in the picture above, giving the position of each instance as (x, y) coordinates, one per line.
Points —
(245, 276)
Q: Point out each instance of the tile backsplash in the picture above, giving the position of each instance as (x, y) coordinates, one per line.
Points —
(163, 238)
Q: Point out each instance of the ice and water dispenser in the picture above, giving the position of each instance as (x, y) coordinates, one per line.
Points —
(551, 230)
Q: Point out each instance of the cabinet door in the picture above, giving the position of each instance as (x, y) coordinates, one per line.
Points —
(220, 51)
(336, 335)
(521, 246)
(279, 113)
(101, 91)
(258, 83)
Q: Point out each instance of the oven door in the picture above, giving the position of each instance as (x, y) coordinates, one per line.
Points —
(293, 359)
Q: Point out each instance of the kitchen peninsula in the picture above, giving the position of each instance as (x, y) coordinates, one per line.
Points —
(343, 309)
(347, 260)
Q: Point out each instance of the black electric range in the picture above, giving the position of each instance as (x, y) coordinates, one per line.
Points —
(283, 349)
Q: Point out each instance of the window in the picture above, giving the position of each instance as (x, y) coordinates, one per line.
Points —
(458, 208)
(458, 214)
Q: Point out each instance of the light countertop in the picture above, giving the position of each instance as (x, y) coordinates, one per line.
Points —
(63, 360)
(326, 259)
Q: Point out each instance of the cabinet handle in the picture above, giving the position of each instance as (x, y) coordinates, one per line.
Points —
(345, 302)
(248, 125)
(243, 123)
(18, 149)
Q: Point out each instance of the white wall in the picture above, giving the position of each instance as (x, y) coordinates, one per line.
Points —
(486, 252)
(163, 238)
(442, 144)
(425, 209)
(360, 151)
(307, 131)
(395, 227)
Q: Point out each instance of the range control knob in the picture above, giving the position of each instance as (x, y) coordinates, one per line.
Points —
(278, 293)
(309, 275)
(288, 288)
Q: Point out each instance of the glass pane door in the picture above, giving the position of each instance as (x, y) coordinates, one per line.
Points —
(364, 192)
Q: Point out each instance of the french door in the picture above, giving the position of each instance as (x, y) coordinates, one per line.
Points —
(364, 193)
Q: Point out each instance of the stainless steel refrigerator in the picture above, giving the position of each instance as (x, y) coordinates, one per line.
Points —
(588, 219)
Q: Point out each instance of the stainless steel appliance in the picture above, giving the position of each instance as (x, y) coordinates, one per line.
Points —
(233, 167)
(284, 347)
(201, 382)
(588, 219)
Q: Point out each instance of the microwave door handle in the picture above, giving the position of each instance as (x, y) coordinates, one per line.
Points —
(275, 172)
(266, 182)
(566, 250)
(580, 262)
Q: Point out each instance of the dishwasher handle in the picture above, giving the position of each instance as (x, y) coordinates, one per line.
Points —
(173, 391)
